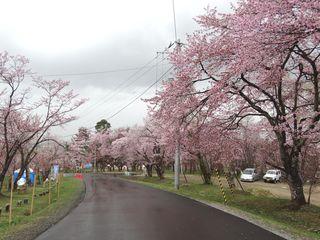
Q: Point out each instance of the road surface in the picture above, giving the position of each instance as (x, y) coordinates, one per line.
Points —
(114, 209)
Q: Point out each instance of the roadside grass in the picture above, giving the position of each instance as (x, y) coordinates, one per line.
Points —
(70, 188)
(262, 206)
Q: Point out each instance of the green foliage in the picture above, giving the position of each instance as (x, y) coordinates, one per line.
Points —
(102, 125)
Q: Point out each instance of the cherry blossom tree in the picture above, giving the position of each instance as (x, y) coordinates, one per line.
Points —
(105, 148)
(140, 145)
(100, 145)
(260, 61)
(24, 119)
(48, 154)
(29, 151)
(79, 148)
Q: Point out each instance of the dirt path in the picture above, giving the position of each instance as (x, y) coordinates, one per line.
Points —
(280, 190)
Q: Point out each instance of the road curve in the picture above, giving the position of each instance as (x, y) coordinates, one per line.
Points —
(114, 209)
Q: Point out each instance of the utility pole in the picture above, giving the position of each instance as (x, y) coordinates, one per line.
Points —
(177, 161)
(174, 21)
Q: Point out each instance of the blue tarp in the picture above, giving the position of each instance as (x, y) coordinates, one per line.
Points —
(88, 165)
(31, 175)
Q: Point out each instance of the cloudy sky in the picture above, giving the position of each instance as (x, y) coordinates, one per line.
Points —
(107, 49)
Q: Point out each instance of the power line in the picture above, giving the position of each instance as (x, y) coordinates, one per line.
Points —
(120, 85)
(136, 98)
(94, 73)
(115, 93)
(108, 97)
(154, 66)
(133, 100)
(102, 99)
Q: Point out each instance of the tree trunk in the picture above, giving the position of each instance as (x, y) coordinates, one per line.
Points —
(185, 177)
(46, 174)
(291, 167)
(205, 169)
(193, 167)
(310, 191)
(296, 188)
(239, 182)
(27, 176)
(230, 179)
(20, 174)
(133, 168)
(149, 170)
(159, 167)
(160, 170)
(2, 175)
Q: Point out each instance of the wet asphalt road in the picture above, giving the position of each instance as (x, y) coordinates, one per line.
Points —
(114, 209)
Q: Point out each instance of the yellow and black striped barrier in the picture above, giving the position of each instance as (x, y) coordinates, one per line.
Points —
(221, 188)
(230, 183)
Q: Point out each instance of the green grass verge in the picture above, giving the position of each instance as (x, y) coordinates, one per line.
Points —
(260, 204)
(70, 189)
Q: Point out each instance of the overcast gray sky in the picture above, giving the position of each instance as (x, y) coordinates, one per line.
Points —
(86, 36)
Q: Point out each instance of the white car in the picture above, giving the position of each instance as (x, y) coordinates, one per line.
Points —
(249, 175)
(272, 176)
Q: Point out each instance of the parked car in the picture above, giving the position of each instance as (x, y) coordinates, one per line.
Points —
(249, 175)
(272, 175)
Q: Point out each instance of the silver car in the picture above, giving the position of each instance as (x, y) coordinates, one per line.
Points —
(249, 175)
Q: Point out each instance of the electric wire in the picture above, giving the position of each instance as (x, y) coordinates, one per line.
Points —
(141, 94)
(133, 100)
(102, 99)
(117, 93)
(91, 73)
(121, 84)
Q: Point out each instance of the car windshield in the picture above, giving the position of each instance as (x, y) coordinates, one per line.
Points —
(271, 172)
(248, 171)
